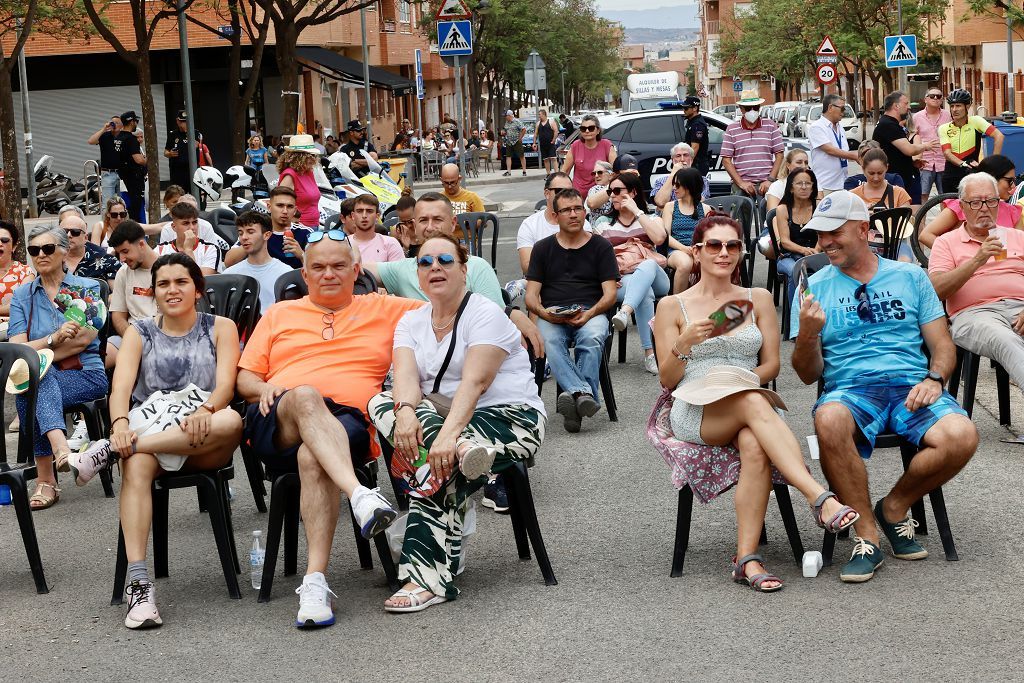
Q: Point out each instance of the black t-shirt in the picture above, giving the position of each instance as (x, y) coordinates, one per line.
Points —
(110, 149)
(886, 132)
(697, 133)
(177, 140)
(128, 165)
(572, 276)
(352, 149)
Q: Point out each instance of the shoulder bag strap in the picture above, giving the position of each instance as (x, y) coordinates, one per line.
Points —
(451, 347)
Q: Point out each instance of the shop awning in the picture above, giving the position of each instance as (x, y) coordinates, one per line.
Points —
(335, 65)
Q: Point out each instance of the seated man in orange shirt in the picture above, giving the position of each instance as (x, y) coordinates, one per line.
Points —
(308, 372)
(978, 270)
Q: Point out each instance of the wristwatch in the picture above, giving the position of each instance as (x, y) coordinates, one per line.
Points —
(936, 377)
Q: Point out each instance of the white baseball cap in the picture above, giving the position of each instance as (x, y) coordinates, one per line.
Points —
(835, 210)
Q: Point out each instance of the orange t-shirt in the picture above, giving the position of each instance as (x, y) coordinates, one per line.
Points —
(287, 347)
(899, 196)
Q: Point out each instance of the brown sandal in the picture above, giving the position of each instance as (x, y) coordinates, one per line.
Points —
(61, 461)
(44, 500)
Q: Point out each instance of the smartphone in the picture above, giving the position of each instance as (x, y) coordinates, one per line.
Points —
(565, 311)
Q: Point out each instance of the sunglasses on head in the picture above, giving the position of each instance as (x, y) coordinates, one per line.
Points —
(588, 129)
(715, 246)
(864, 304)
(47, 249)
(74, 232)
(336, 235)
(445, 260)
(118, 214)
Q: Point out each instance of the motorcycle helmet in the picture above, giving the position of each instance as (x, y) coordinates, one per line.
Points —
(959, 96)
(237, 177)
(209, 180)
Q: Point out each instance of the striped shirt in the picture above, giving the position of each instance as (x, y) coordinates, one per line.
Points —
(753, 150)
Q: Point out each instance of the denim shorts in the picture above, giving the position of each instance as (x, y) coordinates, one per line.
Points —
(881, 409)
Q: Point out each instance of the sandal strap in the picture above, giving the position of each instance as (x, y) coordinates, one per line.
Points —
(413, 595)
(833, 524)
(820, 501)
(41, 484)
(752, 557)
(757, 579)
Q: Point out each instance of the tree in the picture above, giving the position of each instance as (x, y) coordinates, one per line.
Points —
(243, 22)
(146, 16)
(290, 19)
(53, 17)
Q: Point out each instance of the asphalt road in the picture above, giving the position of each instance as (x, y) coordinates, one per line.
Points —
(607, 509)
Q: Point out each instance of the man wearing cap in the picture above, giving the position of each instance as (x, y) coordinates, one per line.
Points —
(512, 142)
(177, 150)
(132, 168)
(696, 135)
(110, 139)
(860, 327)
(357, 143)
(982, 288)
(752, 148)
(830, 152)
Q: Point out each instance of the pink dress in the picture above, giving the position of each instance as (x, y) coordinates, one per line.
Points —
(583, 163)
(307, 197)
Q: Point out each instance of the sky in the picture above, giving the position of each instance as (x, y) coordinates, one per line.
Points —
(636, 4)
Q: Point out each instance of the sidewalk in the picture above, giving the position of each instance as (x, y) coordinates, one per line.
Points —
(484, 178)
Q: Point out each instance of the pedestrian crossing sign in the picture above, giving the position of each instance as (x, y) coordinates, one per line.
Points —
(900, 51)
(454, 38)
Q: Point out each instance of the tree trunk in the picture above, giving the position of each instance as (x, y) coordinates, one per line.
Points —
(287, 64)
(153, 204)
(11, 151)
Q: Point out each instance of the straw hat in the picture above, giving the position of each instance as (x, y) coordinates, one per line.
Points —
(18, 379)
(721, 381)
(749, 98)
(301, 143)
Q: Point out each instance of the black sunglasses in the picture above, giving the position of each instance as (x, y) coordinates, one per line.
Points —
(864, 304)
(47, 249)
(616, 190)
(74, 232)
(118, 214)
(446, 260)
(588, 129)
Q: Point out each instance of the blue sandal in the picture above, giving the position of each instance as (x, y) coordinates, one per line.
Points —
(756, 581)
(835, 524)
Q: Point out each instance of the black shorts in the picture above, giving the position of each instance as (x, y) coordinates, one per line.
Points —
(260, 430)
(547, 151)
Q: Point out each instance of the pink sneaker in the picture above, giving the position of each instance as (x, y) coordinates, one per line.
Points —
(86, 464)
(141, 606)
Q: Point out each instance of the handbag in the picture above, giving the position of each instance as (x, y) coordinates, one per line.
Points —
(631, 253)
(443, 404)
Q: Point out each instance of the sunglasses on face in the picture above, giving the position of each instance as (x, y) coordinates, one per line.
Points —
(732, 247)
(450, 182)
(445, 260)
(594, 174)
(934, 96)
(336, 235)
(118, 214)
(74, 232)
(864, 304)
(588, 129)
(616, 190)
(47, 249)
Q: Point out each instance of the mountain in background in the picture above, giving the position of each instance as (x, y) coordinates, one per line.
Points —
(679, 16)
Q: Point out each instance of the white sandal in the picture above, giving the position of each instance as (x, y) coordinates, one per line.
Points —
(416, 603)
(477, 461)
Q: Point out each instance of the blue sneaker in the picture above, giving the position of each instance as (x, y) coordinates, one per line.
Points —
(901, 536)
(865, 560)
(495, 496)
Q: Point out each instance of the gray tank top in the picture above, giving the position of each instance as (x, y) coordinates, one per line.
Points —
(172, 363)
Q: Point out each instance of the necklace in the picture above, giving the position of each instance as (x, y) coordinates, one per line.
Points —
(441, 327)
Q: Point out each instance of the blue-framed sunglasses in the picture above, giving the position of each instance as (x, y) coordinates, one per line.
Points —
(336, 235)
(446, 260)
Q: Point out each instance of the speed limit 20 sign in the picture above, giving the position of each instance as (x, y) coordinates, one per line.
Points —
(827, 73)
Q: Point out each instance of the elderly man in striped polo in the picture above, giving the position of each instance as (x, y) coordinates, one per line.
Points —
(752, 148)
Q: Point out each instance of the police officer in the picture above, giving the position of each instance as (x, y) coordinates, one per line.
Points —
(177, 150)
(357, 141)
(132, 166)
(697, 134)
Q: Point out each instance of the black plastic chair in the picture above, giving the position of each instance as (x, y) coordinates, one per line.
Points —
(17, 477)
(967, 367)
(391, 222)
(541, 204)
(742, 209)
(212, 486)
(891, 223)
(473, 226)
(236, 297)
(291, 286)
(777, 281)
(223, 221)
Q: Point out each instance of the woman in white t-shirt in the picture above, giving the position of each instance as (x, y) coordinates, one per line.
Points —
(494, 420)
(796, 158)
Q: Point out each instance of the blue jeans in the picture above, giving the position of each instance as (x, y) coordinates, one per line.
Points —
(583, 375)
(638, 291)
(60, 388)
(930, 179)
(110, 184)
(786, 266)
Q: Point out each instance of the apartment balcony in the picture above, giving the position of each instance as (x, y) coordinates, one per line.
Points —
(712, 27)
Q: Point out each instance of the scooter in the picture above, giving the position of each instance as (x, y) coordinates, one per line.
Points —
(376, 181)
(329, 205)
(54, 191)
(241, 179)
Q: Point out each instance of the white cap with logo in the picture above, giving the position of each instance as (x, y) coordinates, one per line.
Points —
(835, 210)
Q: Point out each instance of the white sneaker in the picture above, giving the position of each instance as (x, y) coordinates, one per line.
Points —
(142, 611)
(620, 321)
(651, 364)
(79, 437)
(373, 512)
(315, 605)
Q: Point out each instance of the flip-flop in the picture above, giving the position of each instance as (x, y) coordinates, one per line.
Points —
(416, 604)
(730, 316)
(39, 497)
(756, 581)
(834, 524)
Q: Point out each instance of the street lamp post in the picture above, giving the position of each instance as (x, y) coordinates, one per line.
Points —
(33, 209)
(186, 84)
(366, 74)
(1010, 104)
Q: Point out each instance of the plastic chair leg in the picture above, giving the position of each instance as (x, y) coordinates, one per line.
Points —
(606, 384)
(907, 453)
(222, 535)
(683, 513)
(942, 522)
(161, 502)
(515, 506)
(528, 513)
(120, 569)
(828, 547)
(254, 473)
(27, 527)
(1003, 392)
(971, 361)
(387, 563)
(362, 545)
(275, 525)
(789, 521)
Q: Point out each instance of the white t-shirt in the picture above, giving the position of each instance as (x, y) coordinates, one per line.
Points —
(207, 255)
(536, 227)
(133, 293)
(483, 322)
(777, 189)
(206, 234)
(266, 274)
(829, 170)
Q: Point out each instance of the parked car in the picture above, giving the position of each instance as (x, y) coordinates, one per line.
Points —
(729, 111)
(850, 123)
(798, 119)
(783, 113)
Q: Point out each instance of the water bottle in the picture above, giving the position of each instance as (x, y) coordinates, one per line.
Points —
(5, 494)
(256, 556)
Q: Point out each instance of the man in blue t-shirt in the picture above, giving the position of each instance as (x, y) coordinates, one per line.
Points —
(860, 325)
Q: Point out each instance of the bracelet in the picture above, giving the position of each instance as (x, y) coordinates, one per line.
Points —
(682, 357)
(114, 421)
(403, 404)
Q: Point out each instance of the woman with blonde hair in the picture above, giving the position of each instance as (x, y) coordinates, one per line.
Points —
(113, 214)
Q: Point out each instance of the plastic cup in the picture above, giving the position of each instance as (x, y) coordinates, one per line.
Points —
(812, 563)
(1001, 234)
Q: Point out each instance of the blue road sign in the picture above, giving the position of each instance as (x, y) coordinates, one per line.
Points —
(420, 91)
(737, 86)
(900, 51)
(454, 38)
